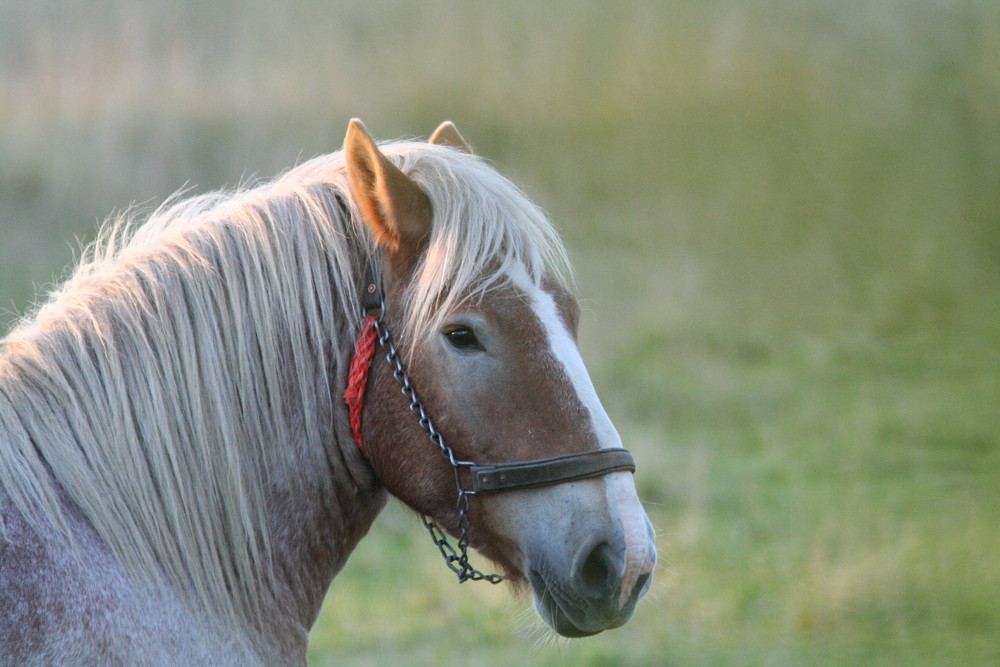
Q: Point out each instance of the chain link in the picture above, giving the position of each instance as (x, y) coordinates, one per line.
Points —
(457, 560)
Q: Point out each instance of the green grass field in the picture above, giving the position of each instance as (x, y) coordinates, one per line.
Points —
(786, 221)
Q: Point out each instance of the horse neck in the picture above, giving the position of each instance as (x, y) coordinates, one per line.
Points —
(274, 415)
(318, 511)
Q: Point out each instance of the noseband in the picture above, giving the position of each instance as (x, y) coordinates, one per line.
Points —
(485, 477)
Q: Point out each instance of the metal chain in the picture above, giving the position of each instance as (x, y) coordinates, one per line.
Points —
(457, 560)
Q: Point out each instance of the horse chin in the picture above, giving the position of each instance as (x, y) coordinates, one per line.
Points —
(563, 626)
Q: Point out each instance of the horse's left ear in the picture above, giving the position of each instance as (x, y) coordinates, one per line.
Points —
(447, 135)
(396, 209)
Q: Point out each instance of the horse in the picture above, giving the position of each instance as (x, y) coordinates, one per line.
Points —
(200, 424)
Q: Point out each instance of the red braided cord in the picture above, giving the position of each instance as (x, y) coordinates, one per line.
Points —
(357, 378)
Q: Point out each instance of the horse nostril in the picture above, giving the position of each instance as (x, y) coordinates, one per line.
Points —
(599, 573)
(640, 585)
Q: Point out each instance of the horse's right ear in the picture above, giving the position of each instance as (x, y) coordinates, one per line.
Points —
(396, 209)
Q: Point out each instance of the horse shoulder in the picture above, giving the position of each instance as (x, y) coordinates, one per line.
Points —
(62, 604)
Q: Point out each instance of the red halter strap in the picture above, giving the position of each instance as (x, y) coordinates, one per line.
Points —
(357, 377)
(364, 350)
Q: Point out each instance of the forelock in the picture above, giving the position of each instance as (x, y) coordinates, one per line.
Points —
(485, 230)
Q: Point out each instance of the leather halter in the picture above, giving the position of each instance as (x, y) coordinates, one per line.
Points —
(486, 477)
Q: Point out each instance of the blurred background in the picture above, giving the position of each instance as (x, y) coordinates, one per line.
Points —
(786, 219)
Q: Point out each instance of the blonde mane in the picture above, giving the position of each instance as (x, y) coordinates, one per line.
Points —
(189, 357)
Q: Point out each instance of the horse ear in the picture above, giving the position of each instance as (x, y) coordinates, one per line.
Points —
(396, 209)
(447, 135)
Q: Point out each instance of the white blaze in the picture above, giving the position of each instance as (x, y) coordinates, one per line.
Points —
(620, 488)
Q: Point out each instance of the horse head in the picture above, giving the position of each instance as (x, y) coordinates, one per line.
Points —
(492, 353)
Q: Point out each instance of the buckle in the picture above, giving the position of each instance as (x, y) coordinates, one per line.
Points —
(372, 301)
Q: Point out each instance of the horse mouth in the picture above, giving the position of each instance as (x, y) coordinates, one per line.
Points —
(558, 613)
(585, 620)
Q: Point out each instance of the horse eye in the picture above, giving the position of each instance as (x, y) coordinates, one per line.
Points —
(463, 338)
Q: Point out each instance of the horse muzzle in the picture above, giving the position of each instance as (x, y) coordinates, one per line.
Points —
(606, 578)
